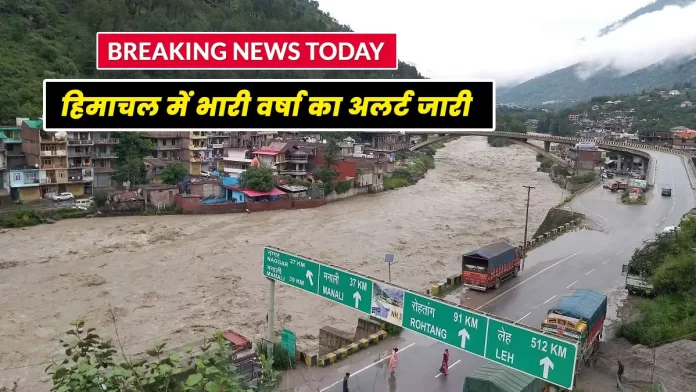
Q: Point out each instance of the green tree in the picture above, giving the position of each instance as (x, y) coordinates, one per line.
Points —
(258, 178)
(332, 153)
(93, 363)
(131, 149)
(100, 198)
(173, 174)
(131, 169)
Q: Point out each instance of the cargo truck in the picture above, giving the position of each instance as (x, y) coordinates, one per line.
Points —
(492, 377)
(579, 316)
(636, 282)
(490, 265)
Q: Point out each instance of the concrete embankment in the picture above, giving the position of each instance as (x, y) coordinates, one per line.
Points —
(556, 217)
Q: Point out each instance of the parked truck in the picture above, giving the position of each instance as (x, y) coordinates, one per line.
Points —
(490, 265)
(579, 316)
(492, 377)
(636, 282)
(618, 186)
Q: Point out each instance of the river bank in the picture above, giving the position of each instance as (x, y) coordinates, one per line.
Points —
(173, 278)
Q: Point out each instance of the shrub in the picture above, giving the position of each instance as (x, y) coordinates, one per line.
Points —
(100, 198)
(393, 183)
(343, 186)
(281, 357)
(583, 178)
(393, 330)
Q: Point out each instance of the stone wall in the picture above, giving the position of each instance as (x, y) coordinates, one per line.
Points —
(283, 204)
(366, 327)
(351, 193)
(331, 338)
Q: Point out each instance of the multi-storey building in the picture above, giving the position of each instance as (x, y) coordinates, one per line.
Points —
(80, 162)
(167, 145)
(13, 146)
(194, 148)
(251, 140)
(218, 141)
(104, 158)
(3, 167)
(390, 142)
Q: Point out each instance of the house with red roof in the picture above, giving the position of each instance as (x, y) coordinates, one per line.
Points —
(286, 159)
(685, 140)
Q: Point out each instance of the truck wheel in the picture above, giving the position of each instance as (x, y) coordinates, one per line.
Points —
(497, 283)
(517, 272)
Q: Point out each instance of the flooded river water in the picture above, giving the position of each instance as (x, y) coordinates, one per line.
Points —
(173, 278)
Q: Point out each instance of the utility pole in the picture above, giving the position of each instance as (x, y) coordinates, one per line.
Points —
(526, 221)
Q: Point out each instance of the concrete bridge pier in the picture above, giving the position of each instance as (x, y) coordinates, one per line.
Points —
(619, 163)
(547, 146)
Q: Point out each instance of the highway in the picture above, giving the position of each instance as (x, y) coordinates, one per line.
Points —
(580, 259)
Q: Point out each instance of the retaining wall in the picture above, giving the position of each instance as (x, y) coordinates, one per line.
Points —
(351, 348)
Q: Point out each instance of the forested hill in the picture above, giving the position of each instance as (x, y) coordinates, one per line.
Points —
(42, 39)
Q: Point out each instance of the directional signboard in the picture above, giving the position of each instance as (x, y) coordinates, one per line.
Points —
(532, 352)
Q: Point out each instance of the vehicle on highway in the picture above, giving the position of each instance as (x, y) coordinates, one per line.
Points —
(666, 191)
(490, 265)
(636, 283)
(63, 196)
(579, 316)
(618, 185)
(492, 377)
(205, 173)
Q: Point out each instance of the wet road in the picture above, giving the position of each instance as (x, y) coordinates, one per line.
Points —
(587, 258)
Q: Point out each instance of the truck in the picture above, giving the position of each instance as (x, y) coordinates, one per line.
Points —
(636, 282)
(492, 377)
(618, 185)
(579, 316)
(490, 265)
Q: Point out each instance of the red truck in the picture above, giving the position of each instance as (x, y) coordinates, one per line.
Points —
(490, 265)
(618, 185)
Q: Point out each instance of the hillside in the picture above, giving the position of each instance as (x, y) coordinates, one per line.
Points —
(564, 85)
(56, 39)
(655, 6)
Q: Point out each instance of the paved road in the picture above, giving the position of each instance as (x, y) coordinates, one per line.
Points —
(580, 259)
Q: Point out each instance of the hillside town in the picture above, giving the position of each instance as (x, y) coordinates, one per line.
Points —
(39, 166)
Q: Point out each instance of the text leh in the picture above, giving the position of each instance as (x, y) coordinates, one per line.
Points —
(255, 51)
(541, 345)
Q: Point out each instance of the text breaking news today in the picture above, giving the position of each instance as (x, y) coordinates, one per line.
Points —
(166, 104)
(268, 51)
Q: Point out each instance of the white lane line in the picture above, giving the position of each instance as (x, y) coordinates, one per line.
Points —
(663, 219)
(592, 212)
(522, 318)
(449, 367)
(657, 224)
(547, 301)
(605, 261)
(365, 368)
(571, 285)
(528, 279)
(593, 270)
(619, 252)
(670, 210)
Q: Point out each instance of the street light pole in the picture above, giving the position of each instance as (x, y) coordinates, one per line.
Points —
(526, 221)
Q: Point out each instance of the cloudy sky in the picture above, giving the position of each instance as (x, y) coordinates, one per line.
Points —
(513, 40)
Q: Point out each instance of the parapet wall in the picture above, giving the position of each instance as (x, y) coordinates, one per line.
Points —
(556, 217)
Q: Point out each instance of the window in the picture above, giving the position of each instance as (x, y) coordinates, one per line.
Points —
(47, 161)
(17, 176)
(31, 176)
(60, 174)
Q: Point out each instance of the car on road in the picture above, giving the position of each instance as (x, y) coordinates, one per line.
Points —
(205, 173)
(666, 191)
(670, 229)
(84, 204)
(63, 196)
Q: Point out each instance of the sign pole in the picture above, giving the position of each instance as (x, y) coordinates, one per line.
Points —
(526, 221)
(270, 316)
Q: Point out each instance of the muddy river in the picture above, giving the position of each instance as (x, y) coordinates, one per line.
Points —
(174, 278)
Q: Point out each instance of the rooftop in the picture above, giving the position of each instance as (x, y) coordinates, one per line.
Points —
(252, 193)
(34, 124)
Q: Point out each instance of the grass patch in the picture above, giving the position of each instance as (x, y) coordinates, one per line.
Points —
(29, 217)
(498, 141)
(664, 319)
(395, 182)
(583, 178)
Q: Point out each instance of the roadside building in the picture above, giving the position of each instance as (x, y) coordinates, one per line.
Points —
(390, 142)
(167, 146)
(159, 195)
(80, 163)
(684, 140)
(584, 157)
(105, 155)
(284, 159)
(251, 140)
(218, 142)
(235, 161)
(154, 168)
(194, 148)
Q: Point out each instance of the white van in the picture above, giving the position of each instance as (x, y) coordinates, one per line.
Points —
(83, 204)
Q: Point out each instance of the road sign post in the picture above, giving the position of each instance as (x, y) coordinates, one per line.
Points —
(521, 348)
(288, 342)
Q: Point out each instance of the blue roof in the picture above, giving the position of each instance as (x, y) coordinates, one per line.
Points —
(581, 304)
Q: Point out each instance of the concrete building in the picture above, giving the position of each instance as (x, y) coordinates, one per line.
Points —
(104, 159)
(251, 140)
(218, 141)
(390, 142)
(684, 140)
(286, 159)
(167, 145)
(235, 162)
(194, 147)
(80, 162)
(584, 157)
(12, 140)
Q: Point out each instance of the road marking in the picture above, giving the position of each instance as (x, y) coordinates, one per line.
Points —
(663, 219)
(449, 367)
(571, 285)
(592, 212)
(605, 261)
(657, 224)
(590, 272)
(547, 301)
(365, 368)
(671, 209)
(619, 252)
(516, 322)
(530, 278)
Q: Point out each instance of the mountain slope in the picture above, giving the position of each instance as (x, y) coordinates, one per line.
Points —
(658, 5)
(564, 85)
(56, 39)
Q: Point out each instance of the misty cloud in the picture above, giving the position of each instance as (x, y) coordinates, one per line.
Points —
(512, 41)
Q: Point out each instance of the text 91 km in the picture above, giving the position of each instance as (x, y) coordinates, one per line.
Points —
(246, 51)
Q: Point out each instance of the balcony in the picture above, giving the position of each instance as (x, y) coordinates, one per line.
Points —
(54, 153)
(104, 169)
(53, 180)
(106, 141)
(54, 166)
(195, 159)
(85, 154)
(161, 147)
(198, 135)
(22, 178)
(106, 155)
(12, 140)
(300, 172)
(80, 142)
(80, 178)
(79, 165)
(194, 147)
(217, 145)
(295, 160)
